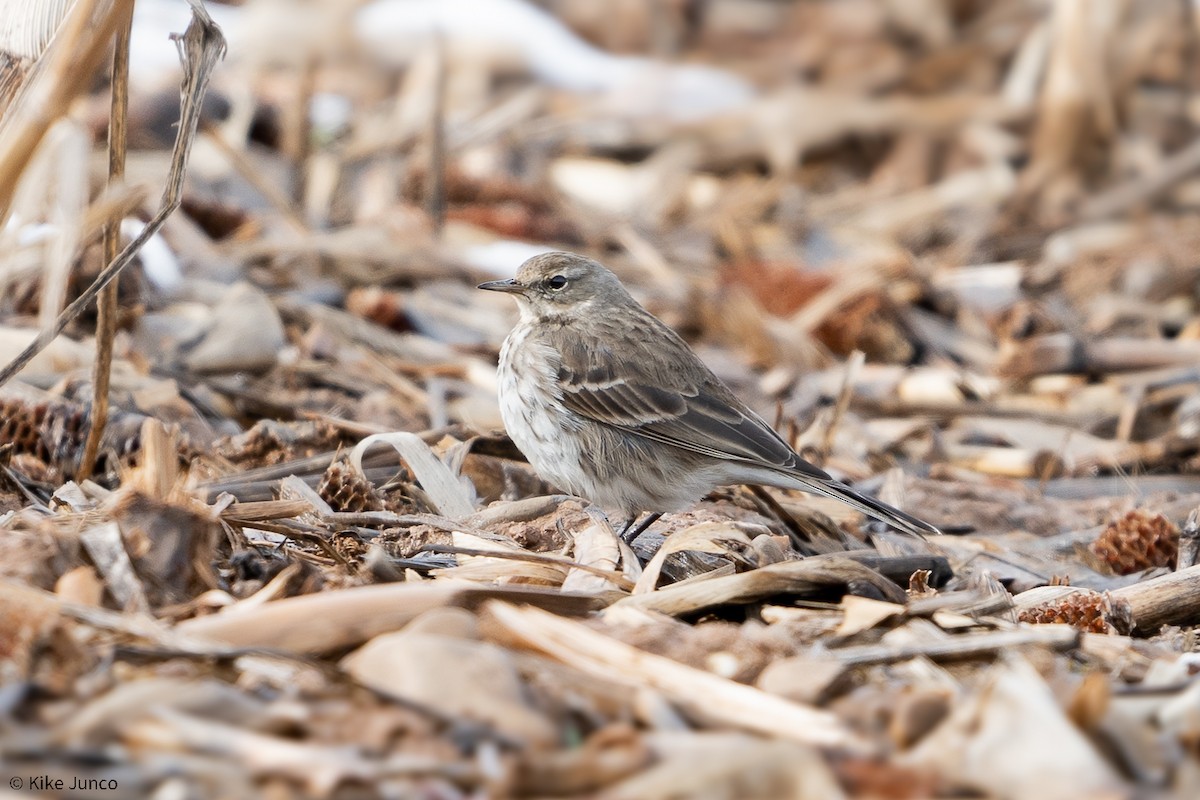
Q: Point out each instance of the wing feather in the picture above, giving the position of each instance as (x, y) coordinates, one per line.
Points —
(678, 402)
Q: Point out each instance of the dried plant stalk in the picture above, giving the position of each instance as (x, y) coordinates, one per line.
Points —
(106, 322)
(201, 46)
(63, 75)
(708, 695)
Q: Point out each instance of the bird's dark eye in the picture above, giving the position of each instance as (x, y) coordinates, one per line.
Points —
(557, 282)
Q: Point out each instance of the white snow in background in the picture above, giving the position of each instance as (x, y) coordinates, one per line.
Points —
(553, 53)
(395, 31)
(159, 264)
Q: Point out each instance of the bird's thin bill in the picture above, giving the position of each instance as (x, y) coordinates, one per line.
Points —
(502, 286)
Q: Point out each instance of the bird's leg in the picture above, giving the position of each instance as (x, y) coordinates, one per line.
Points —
(628, 525)
(632, 531)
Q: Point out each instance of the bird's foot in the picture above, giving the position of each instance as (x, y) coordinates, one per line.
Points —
(633, 529)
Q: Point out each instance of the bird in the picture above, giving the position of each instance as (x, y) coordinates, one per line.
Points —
(610, 404)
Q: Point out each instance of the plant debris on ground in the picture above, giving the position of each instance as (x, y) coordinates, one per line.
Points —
(951, 250)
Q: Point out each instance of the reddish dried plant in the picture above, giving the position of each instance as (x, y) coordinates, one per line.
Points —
(1083, 610)
(866, 322)
(382, 306)
(1138, 541)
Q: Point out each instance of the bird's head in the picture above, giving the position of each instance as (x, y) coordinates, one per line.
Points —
(552, 284)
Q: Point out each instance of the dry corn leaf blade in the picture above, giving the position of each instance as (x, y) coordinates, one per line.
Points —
(459, 677)
(448, 493)
(729, 765)
(328, 621)
(708, 695)
(863, 613)
(319, 768)
(789, 577)
(1016, 721)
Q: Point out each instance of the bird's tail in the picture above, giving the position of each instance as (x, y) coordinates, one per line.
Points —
(868, 505)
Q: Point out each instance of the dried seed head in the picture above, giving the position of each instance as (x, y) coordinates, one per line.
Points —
(1138, 541)
(345, 489)
(1083, 610)
(55, 432)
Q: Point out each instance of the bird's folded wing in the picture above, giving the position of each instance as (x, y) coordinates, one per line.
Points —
(703, 417)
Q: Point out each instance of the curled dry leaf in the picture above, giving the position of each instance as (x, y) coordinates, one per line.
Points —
(449, 495)
(596, 545)
(707, 537)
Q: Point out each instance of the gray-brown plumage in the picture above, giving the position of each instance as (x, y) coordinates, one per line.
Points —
(608, 403)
